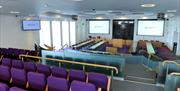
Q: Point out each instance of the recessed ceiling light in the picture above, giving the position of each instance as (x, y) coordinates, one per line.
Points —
(58, 11)
(144, 17)
(172, 11)
(1, 6)
(148, 5)
(77, 0)
(14, 12)
(99, 17)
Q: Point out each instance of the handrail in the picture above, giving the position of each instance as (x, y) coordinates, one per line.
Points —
(73, 62)
(177, 64)
(175, 73)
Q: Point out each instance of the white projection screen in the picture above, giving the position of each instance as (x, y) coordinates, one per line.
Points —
(151, 27)
(99, 26)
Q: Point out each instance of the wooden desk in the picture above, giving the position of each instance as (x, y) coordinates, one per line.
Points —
(96, 45)
(84, 43)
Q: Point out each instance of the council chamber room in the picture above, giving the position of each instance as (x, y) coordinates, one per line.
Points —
(89, 45)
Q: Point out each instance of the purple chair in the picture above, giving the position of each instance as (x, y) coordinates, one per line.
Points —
(45, 69)
(17, 64)
(6, 62)
(18, 77)
(30, 66)
(77, 75)
(99, 80)
(82, 86)
(37, 81)
(16, 89)
(59, 72)
(4, 87)
(5, 73)
(57, 84)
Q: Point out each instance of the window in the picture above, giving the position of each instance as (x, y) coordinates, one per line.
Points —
(45, 33)
(58, 33)
(72, 32)
(65, 33)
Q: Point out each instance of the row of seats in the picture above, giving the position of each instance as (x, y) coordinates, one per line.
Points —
(14, 52)
(5, 87)
(16, 69)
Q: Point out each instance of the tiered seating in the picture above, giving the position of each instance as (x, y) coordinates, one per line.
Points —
(162, 52)
(14, 52)
(38, 77)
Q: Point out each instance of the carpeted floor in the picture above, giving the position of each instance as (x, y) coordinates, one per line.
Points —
(138, 78)
(118, 85)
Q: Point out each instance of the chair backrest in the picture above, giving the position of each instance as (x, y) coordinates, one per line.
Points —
(77, 75)
(82, 86)
(99, 80)
(59, 72)
(7, 62)
(57, 84)
(45, 69)
(37, 81)
(18, 76)
(16, 89)
(5, 73)
(4, 87)
(30, 66)
(17, 64)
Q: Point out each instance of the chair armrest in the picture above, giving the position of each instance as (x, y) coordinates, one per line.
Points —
(109, 83)
(99, 89)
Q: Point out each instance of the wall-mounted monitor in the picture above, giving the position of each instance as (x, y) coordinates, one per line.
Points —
(97, 26)
(31, 25)
(151, 27)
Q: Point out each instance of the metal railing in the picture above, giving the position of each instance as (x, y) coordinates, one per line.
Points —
(175, 73)
(168, 62)
(72, 62)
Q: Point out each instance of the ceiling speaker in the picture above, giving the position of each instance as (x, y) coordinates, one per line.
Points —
(160, 16)
(75, 17)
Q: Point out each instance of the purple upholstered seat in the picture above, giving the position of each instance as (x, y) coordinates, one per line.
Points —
(45, 69)
(59, 72)
(16, 89)
(37, 81)
(6, 62)
(100, 80)
(18, 76)
(77, 75)
(82, 86)
(29, 66)
(17, 64)
(4, 87)
(57, 84)
(5, 73)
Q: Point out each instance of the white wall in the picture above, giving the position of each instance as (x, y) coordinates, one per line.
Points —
(11, 34)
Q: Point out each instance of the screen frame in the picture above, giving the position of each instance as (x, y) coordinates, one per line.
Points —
(31, 29)
(98, 20)
(151, 20)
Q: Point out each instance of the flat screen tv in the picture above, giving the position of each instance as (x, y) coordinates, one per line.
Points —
(99, 26)
(151, 27)
(31, 25)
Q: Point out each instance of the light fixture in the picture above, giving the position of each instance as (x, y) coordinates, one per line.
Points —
(148, 5)
(58, 11)
(1, 6)
(172, 11)
(14, 12)
(144, 17)
(99, 17)
(77, 0)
